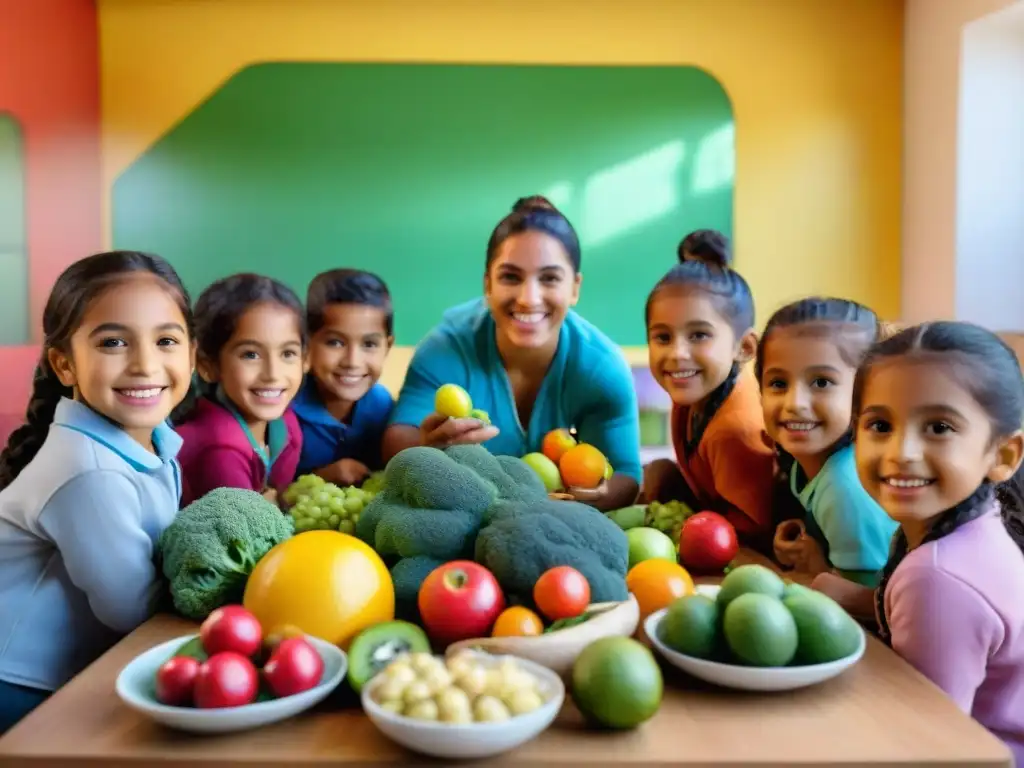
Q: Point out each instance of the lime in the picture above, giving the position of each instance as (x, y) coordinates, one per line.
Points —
(749, 578)
(827, 632)
(546, 469)
(453, 401)
(690, 626)
(649, 544)
(792, 588)
(760, 630)
(617, 683)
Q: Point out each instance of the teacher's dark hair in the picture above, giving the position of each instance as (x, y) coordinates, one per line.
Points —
(536, 214)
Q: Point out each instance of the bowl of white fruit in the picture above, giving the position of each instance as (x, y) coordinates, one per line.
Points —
(471, 705)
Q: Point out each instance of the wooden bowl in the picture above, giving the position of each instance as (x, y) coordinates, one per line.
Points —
(558, 650)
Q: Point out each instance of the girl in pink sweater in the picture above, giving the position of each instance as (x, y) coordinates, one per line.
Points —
(939, 446)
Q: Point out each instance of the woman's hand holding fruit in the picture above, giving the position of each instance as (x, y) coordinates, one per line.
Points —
(454, 420)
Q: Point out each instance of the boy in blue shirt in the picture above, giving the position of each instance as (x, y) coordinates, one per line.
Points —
(342, 409)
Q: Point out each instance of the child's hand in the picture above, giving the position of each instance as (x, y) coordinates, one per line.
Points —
(350, 472)
(271, 495)
(440, 431)
(795, 548)
(857, 599)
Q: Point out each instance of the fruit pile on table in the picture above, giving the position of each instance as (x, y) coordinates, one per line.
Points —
(454, 549)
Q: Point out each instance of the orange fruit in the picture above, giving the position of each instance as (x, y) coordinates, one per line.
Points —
(557, 442)
(517, 621)
(582, 466)
(656, 584)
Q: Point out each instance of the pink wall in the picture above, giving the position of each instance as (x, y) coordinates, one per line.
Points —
(49, 81)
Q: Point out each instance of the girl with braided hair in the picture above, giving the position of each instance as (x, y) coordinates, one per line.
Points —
(91, 480)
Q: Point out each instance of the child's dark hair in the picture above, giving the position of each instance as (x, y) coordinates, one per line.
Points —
(989, 370)
(347, 286)
(854, 326)
(217, 312)
(725, 287)
(536, 214)
(74, 290)
(705, 245)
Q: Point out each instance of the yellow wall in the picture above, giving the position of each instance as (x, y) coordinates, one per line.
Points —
(815, 86)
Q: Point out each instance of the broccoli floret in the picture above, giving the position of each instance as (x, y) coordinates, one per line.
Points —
(408, 575)
(211, 547)
(522, 541)
(512, 479)
(428, 478)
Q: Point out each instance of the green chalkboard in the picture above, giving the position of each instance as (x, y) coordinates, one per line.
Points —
(292, 168)
(14, 289)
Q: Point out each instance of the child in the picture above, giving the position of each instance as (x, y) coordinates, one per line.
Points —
(700, 319)
(708, 245)
(90, 481)
(342, 409)
(939, 446)
(240, 433)
(806, 364)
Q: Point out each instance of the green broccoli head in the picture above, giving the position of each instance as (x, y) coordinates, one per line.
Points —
(211, 547)
(428, 478)
(408, 576)
(522, 541)
(512, 479)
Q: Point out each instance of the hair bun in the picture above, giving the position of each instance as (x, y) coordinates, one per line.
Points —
(533, 203)
(707, 245)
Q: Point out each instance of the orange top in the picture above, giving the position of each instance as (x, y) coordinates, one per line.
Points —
(731, 471)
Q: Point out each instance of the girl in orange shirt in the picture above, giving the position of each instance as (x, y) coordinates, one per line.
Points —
(700, 334)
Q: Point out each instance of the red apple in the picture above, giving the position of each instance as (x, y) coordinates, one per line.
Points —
(707, 542)
(294, 667)
(226, 679)
(175, 680)
(231, 628)
(459, 600)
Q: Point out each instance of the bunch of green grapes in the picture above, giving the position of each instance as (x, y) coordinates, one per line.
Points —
(318, 505)
(667, 517)
(374, 484)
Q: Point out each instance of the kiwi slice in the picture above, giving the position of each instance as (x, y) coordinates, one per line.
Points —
(375, 647)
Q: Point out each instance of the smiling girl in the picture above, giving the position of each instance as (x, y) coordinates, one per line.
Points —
(806, 364)
(90, 481)
(527, 359)
(700, 334)
(240, 432)
(939, 446)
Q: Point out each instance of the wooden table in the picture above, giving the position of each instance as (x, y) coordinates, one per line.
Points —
(880, 713)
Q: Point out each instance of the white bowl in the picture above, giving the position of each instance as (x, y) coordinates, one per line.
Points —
(749, 678)
(136, 688)
(471, 740)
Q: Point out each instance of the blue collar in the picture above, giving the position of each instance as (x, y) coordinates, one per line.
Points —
(309, 406)
(277, 433)
(78, 416)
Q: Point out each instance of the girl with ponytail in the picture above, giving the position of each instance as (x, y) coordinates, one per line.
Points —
(90, 481)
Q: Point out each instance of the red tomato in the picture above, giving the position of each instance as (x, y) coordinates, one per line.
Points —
(561, 593)
(294, 667)
(707, 542)
(231, 628)
(175, 680)
(459, 600)
(226, 679)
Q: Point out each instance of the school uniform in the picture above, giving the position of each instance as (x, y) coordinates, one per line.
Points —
(219, 451)
(78, 534)
(326, 440)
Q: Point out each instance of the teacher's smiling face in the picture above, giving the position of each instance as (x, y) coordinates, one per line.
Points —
(530, 285)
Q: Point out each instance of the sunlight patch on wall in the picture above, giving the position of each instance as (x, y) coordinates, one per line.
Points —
(632, 193)
(715, 164)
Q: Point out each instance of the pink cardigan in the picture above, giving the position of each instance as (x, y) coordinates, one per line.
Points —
(216, 453)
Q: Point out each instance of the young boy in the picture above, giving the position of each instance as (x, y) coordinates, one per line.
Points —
(342, 409)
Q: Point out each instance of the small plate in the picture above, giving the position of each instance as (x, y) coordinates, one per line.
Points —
(470, 740)
(136, 688)
(749, 678)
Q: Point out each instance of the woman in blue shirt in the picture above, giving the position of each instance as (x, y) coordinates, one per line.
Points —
(527, 359)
